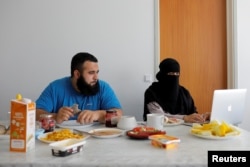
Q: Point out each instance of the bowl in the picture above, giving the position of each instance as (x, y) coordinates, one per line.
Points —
(39, 132)
(127, 122)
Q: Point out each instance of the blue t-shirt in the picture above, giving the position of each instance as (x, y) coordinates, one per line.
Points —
(61, 93)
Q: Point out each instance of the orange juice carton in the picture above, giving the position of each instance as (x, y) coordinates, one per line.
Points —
(22, 124)
(164, 141)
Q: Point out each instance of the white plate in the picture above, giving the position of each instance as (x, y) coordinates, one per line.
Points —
(179, 122)
(4, 137)
(214, 137)
(73, 124)
(44, 135)
(106, 133)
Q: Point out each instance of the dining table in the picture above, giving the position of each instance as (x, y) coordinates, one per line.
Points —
(123, 151)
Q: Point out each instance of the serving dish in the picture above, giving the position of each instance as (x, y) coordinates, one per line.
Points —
(71, 135)
(67, 147)
(105, 133)
(212, 137)
(173, 122)
(164, 141)
(73, 124)
(143, 132)
(215, 130)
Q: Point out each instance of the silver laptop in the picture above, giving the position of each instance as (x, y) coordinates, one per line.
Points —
(229, 105)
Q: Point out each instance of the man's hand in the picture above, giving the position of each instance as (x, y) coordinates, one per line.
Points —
(88, 116)
(64, 114)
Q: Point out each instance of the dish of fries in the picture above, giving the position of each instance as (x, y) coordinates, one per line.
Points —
(61, 134)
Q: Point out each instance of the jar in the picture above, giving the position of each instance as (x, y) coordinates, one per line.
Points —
(47, 122)
(111, 118)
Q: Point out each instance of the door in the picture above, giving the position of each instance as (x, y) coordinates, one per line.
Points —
(194, 33)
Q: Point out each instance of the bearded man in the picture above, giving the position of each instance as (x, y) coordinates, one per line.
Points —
(91, 97)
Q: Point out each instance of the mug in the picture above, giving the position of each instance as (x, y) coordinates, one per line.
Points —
(155, 120)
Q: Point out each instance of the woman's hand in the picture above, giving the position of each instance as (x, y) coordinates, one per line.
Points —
(194, 118)
(206, 116)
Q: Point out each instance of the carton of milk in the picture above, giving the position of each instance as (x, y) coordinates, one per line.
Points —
(22, 125)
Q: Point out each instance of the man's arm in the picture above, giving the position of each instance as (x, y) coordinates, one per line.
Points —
(63, 114)
(88, 116)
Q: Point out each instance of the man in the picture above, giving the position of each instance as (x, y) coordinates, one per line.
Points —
(82, 89)
(168, 97)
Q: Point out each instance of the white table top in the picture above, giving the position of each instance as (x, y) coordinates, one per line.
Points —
(123, 151)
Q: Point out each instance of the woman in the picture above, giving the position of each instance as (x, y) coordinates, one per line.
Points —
(168, 97)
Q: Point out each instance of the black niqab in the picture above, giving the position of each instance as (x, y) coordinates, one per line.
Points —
(172, 97)
(168, 86)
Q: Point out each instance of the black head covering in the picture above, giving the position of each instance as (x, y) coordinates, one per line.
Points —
(168, 86)
(172, 97)
(167, 65)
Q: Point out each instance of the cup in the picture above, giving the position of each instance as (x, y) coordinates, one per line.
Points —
(127, 122)
(155, 120)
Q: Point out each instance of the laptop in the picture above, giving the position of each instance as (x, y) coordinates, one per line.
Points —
(229, 105)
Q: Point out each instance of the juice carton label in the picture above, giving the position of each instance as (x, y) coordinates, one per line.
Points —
(22, 126)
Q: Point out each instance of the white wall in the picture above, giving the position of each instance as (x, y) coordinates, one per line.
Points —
(243, 52)
(38, 39)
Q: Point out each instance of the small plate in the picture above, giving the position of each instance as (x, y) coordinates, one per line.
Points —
(43, 136)
(106, 133)
(73, 124)
(179, 122)
(143, 135)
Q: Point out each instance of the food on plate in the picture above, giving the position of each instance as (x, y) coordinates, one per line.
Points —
(171, 120)
(62, 134)
(215, 128)
(105, 132)
(140, 130)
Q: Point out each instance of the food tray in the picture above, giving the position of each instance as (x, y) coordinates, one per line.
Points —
(67, 147)
(164, 141)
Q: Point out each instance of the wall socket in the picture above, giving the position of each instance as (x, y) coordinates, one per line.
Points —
(148, 78)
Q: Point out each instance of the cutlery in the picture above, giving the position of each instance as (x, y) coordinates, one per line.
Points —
(82, 131)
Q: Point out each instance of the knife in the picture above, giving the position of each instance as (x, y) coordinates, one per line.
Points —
(82, 132)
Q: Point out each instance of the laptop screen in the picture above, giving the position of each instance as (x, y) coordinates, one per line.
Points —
(229, 105)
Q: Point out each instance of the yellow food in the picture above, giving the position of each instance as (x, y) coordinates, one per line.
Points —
(214, 128)
(19, 96)
(62, 135)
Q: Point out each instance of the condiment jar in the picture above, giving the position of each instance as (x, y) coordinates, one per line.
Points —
(111, 118)
(47, 122)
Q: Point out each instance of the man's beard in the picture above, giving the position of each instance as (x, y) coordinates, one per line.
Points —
(86, 88)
